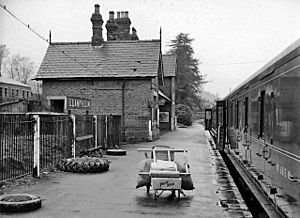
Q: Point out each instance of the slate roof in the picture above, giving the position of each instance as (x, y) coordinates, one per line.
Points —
(136, 58)
(169, 62)
(12, 82)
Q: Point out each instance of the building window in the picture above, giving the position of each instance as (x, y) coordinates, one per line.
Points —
(23, 94)
(12, 93)
(27, 94)
(5, 93)
(17, 93)
(1, 94)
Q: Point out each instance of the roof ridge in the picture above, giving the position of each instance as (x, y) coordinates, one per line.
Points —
(12, 81)
(105, 42)
(69, 43)
(132, 41)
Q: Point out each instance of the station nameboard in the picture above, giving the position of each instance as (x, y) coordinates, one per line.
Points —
(78, 103)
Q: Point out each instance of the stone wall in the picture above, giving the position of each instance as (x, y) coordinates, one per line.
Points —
(106, 98)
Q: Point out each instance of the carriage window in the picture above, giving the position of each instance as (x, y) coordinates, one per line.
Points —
(262, 113)
(231, 114)
(237, 115)
(246, 111)
(272, 117)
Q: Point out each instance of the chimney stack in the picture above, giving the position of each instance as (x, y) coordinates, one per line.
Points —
(111, 27)
(97, 22)
(119, 28)
(123, 23)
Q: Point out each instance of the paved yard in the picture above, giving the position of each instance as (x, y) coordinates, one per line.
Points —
(113, 193)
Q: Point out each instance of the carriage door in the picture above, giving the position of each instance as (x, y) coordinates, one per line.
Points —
(221, 124)
(208, 119)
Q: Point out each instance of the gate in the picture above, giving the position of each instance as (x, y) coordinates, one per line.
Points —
(16, 145)
(84, 133)
(55, 139)
(109, 131)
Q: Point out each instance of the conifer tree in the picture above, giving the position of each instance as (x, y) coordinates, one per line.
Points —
(188, 77)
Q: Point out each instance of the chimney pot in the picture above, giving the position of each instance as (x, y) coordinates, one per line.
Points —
(122, 14)
(118, 14)
(97, 8)
(126, 14)
(111, 15)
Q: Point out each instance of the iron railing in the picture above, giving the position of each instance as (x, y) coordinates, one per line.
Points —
(16, 141)
(56, 136)
(55, 139)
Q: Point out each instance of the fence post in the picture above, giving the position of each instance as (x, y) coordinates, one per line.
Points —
(106, 131)
(74, 135)
(36, 147)
(96, 130)
(150, 130)
(70, 137)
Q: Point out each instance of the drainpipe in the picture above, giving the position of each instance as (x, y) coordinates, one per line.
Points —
(123, 111)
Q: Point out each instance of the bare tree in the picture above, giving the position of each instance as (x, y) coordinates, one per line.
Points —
(3, 54)
(21, 68)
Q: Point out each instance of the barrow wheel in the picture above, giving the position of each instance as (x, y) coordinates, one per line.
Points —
(19, 202)
(116, 152)
(155, 195)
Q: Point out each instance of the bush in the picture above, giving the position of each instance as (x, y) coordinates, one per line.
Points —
(184, 114)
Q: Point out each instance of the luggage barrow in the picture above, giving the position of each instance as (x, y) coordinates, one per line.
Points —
(163, 170)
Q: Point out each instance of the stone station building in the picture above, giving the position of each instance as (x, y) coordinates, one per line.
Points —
(121, 76)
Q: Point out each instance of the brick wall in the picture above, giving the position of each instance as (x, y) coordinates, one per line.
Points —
(106, 99)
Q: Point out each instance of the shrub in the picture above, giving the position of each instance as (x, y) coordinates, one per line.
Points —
(184, 114)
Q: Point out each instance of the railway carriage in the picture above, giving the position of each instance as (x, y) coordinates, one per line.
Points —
(259, 122)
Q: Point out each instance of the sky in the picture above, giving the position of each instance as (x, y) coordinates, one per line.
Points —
(232, 38)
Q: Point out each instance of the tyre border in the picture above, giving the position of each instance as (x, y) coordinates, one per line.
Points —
(116, 152)
(102, 167)
(21, 206)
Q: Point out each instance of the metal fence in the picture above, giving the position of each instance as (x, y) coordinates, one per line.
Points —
(33, 141)
(16, 141)
(17, 134)
(55, 139)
